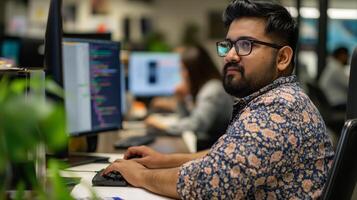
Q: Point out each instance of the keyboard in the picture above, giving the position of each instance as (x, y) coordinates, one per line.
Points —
(114, 178)
(134, 141)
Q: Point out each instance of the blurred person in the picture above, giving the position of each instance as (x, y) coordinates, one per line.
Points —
(276, 145)
(334, 79)
(203, 105)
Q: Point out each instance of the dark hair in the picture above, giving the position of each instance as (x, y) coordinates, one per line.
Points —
(199, 66)
(279, 23)
(340, 50)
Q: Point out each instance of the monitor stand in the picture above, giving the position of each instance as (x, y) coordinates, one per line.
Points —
(75, 159)
(78, 159)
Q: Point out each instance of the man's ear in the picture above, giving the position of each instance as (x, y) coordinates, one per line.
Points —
(285, 55)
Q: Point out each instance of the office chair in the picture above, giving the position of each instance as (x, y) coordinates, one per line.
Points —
(343, 175)
(352, 88)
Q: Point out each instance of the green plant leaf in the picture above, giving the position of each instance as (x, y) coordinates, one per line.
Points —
(54, 128)
(54, 88)
(27, 120)
(3, 84)
(60, 191)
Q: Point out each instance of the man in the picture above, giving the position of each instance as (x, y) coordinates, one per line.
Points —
(275, 147)
(334, 79)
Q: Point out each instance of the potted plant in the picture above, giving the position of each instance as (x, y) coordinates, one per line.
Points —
(29, 124)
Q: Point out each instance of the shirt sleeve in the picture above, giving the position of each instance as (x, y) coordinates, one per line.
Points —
(340, 78)
(182, 108)
(242, 159)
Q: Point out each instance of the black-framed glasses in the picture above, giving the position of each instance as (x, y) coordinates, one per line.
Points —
(243, 47)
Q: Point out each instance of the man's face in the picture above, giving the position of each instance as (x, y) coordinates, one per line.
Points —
(243, 75)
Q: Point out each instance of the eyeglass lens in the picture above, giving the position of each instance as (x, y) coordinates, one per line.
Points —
(242, 47)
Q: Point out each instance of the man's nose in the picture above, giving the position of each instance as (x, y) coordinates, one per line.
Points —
(232, 56)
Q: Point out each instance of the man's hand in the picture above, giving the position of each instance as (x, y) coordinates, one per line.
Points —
(147, 157)
(160, 181)
(131, 171)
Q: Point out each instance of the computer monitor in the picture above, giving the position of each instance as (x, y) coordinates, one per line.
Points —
(89, 35)
(25, 52)
(124, 108)
(153, 74)
(92, 85)
(54, 68)
(53, 42)
(31, 53)
(10, 49)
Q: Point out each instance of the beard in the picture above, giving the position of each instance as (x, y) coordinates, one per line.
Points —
(234, 87)
(244, 86)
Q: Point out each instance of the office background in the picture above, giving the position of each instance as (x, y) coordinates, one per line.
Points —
(137, 20)
(134, 21)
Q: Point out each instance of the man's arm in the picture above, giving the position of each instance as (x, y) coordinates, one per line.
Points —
(179, 159)
(162, 181)
(153, 159)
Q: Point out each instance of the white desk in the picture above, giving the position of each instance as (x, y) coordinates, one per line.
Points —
(84, 189)
(164, 144)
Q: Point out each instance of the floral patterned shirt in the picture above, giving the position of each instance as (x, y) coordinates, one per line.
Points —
(276, 147)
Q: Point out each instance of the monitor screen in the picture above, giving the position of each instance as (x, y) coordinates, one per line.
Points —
(153, 74)
(92, 85)
(10, 49)
(23, 52)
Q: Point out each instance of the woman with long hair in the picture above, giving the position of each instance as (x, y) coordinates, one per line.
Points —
(204, 106)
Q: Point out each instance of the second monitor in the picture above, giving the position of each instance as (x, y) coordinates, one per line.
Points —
(153, 74)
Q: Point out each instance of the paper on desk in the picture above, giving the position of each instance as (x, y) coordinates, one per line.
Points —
(102, 198)
(127, 193)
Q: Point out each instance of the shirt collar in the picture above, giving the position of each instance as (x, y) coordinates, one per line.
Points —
(241, 102)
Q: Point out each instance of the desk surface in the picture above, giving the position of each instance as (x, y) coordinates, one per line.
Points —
(164, 144)
(84, 189)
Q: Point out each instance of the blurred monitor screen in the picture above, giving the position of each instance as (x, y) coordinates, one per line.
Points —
(10, 49)
(153, 74)
(92, 84)
(24, 52)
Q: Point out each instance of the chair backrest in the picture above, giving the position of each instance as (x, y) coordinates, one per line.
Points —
(352, 88)
(319, 98)
(343, 174)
